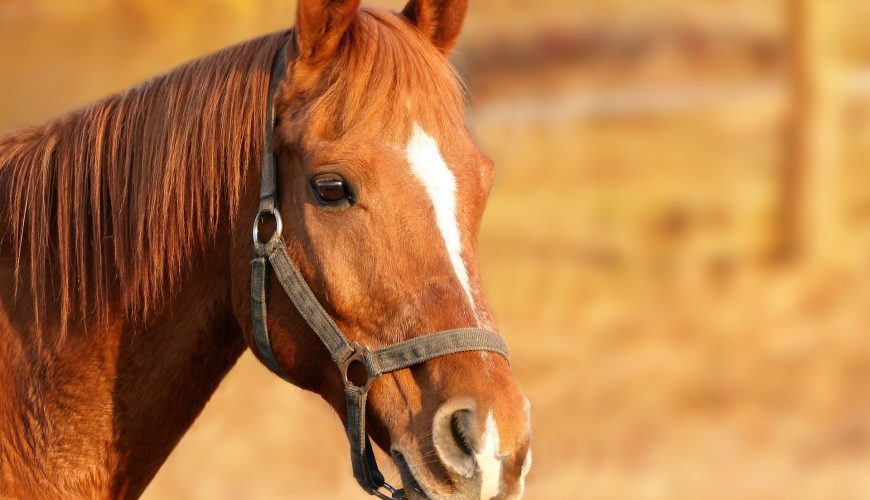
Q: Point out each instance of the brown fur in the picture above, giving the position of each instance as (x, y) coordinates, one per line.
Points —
(126, 233)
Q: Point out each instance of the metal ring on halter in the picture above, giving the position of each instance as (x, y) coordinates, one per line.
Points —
(279, 225)
(359, 351)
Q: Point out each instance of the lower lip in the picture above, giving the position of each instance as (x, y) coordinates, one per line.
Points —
(410, 482)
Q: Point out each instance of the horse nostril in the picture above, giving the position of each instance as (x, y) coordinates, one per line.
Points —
(455, 435)
(460, 427)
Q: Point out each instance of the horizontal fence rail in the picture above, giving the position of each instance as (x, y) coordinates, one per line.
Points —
(584, 104)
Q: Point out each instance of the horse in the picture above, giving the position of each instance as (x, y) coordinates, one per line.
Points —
(126, 259)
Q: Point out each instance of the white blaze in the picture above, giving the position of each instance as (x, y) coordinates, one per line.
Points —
(428, 165)
(488, 460)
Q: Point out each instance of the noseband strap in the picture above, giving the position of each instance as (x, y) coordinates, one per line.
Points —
(344, 353)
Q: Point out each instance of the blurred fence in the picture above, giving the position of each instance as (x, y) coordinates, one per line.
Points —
(805, 77)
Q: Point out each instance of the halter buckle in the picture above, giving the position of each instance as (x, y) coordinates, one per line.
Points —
(358, 355)
(279, 225)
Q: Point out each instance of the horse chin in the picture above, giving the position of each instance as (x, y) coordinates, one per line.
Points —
(414, 489)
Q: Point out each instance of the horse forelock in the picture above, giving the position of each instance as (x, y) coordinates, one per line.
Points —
(384, 77)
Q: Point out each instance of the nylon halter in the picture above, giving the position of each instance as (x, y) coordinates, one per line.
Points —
(344, 353)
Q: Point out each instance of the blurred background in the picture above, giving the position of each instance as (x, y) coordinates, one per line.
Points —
(677, 247)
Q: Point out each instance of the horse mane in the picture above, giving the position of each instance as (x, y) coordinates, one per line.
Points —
(118, 193)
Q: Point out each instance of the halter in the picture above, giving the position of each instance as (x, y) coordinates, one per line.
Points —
(344, 353)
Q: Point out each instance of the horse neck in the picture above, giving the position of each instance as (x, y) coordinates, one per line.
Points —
(97, 413)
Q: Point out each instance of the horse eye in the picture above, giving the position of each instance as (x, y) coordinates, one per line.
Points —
(330, 188)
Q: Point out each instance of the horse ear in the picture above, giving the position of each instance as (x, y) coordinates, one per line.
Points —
(321, 24)
(438, 20)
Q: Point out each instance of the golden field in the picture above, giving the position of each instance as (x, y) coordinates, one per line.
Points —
(675, 339)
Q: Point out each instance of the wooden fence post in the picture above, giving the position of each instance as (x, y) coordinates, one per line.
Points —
(812, 209)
